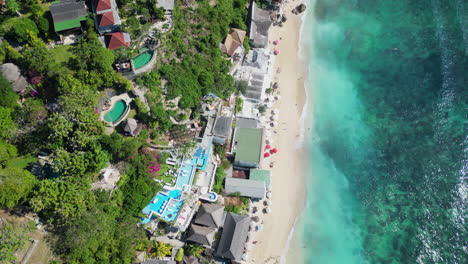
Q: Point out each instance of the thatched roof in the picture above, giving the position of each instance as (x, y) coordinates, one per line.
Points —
(12, 73)
(131, 125)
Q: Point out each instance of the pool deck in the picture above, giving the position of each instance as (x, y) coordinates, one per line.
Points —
(185, 206)
(125, 97)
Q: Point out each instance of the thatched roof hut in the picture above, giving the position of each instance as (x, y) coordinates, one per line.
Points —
(12, 73)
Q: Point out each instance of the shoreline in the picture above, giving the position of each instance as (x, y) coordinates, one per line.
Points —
(288, 174)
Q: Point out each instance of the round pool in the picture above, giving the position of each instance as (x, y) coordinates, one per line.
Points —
(117, 111)
(212, 196)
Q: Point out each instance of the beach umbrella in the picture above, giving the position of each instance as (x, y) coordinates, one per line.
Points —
(276, 42)
(269, 195)
(245, 256)
(269, 105)
(276, 52)
(258, 228)
(275, 111)
(268, 133)
(266, 155)
(278, 97)
(256, 219)
(275, 150)
(268, 147)
(274, 123)
(268, 210)
(274, 117)
(269, 141)
(268, 202)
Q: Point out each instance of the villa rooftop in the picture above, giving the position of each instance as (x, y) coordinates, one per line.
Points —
(233, 41)
(233, 236)
(68, 14)
(211, 215)
(259, 26)
(250, 188)
(222, 126)
(201, 234)
(248, 146)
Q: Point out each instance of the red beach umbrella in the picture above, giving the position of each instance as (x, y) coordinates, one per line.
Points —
(266, 155)
(275, 150)
(268, 147)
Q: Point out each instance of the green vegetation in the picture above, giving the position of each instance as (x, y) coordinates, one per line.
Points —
(241, 86)
(239, 104)
(194, 41)
(219, 179)
(193, 250)
(12, 238)
(161, 250)
(180, 254)
(61, 54)
(16, 185)
(57, 119)
(237, 204)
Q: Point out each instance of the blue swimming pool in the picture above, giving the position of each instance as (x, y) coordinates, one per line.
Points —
(185, 175)
(170, 214)
(159, 203)
(200, 159)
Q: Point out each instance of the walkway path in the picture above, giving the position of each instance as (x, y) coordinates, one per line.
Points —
(30, 251)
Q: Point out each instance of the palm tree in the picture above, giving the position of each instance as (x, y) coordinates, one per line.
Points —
(162, 250)
(193, 250)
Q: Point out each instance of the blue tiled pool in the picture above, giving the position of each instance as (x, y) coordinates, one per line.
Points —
(185, 176)
(159, 203)
(200, 159)
(172, 211)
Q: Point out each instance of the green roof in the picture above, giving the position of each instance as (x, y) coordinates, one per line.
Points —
(69, 24)
(261, 175)
(249, 144)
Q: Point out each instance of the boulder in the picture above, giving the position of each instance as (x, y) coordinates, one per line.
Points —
(301, 8)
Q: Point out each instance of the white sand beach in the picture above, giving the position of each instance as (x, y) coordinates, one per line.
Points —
(288, 172)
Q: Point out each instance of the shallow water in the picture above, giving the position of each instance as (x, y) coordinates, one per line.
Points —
(389, 88)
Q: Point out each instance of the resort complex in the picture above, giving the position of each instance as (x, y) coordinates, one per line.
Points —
(133, 126)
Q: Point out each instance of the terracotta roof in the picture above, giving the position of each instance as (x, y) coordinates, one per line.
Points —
(106, 19)
(103, 5)
(114, 41)
(234, 40)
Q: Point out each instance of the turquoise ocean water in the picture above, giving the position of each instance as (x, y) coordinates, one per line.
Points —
(389, 140)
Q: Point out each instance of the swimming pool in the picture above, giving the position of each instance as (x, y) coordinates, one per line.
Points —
(171, 213)
(116, 112)
(200, 159)
(185, 175)
(161, 203)
(142, 59)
